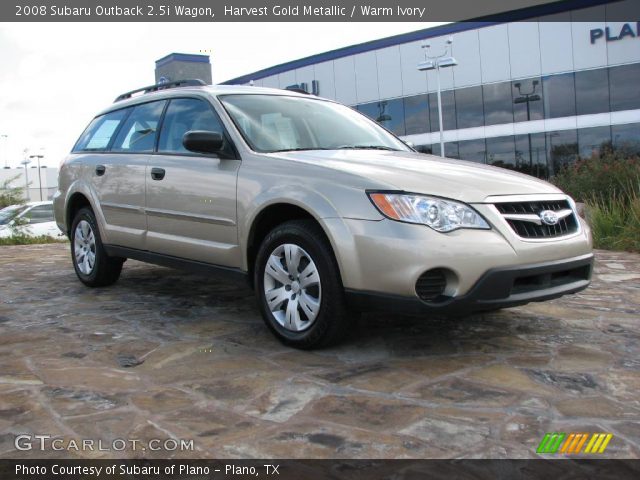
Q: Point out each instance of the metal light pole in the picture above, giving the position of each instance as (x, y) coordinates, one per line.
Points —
(550, 166)
(436, 63)
(38, 157)
(528, 98)
(26, 162)
(6, 142)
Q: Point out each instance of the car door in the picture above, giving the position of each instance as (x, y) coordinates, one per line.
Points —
(101, 168)
(122, 189)
(191, 197)
(115, 148)
(41, 222)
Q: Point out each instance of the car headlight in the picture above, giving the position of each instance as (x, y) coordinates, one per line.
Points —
(441, 214)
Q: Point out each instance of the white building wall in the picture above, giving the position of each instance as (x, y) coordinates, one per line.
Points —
(345, 80)
(286, 78)
(466, 50)
(389, 72)
(323, 72)
(271, 82)
(413, 81)
(556, 44)
(366, 73)
(498, 53)
(586, 55)
(305, 75)
(549, 45)
(494, 53)
(619, 51)
(524, 49)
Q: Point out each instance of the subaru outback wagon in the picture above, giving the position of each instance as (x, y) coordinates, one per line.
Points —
(321, 209)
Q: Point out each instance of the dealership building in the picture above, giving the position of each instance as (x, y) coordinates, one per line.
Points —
(534, 91)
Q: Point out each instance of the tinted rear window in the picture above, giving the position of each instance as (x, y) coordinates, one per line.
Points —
(97, 135)
(138, 133)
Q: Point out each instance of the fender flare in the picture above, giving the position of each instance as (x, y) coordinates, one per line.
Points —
(83, 188)
(317, 205)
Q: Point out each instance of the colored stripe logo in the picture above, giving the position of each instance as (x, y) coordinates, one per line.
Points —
(574, 443)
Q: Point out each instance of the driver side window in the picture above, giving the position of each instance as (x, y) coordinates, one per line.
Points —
(183, 115)
(138, 134)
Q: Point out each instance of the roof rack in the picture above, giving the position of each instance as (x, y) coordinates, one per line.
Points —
(161, 86)
(297, 90)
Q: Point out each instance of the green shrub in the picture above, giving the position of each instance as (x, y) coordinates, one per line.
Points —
(11, 195)
(609, 186)
(27, 240)
(615, 173)
(615, 222)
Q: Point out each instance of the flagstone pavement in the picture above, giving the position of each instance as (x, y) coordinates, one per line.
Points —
(167, 355)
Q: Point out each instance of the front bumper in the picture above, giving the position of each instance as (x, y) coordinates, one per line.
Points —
(497, 288)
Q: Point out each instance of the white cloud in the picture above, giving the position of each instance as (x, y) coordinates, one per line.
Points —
(57, 76)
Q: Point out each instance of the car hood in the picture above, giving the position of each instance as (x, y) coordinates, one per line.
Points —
(419, 173)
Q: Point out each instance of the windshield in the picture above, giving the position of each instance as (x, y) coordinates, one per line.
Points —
(9, 213)
(277, 123)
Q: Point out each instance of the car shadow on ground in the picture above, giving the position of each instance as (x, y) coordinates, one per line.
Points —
(192, 298)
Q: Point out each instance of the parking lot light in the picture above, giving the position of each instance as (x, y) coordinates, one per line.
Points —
(436, 63)
(38, 157)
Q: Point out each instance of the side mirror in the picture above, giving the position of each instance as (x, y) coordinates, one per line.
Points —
(202, 141)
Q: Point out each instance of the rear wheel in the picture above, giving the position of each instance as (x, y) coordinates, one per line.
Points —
(299, 287)
(93, 266)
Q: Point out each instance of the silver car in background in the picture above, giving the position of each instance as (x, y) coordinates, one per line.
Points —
(33, 219)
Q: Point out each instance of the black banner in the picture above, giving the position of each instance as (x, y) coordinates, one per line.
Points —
(320, 469)
(310, 10)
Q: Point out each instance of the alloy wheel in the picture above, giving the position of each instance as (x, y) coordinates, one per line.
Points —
(292, 287)
(84, 247)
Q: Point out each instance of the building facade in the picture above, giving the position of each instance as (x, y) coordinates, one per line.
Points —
(183, 66)
(531, 95)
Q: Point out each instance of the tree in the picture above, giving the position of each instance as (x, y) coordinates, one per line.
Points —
(11, 195)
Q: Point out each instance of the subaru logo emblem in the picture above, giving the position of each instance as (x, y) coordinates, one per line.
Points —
(549, 217)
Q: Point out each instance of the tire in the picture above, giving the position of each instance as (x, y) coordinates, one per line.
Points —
(322, 316)
(86, 245)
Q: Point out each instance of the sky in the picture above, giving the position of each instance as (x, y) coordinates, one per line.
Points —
(55, 77)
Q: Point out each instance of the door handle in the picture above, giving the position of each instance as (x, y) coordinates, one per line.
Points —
(157, 173)
(100, 169)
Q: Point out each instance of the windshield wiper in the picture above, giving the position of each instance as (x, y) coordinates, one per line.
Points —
(301, 149)
(342, 147)
(367, 147)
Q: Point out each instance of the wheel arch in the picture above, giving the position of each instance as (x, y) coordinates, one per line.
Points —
(268, 218)
(81, 195)
(76, 202)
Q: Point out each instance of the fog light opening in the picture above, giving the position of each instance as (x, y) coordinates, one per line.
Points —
(432, 285)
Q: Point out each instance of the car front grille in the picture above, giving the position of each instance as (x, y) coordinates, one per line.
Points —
(526, 221)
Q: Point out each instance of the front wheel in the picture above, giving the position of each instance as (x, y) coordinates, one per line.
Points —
(93, 266)
(299, 287)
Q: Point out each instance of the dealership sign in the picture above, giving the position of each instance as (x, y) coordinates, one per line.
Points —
(627, 30)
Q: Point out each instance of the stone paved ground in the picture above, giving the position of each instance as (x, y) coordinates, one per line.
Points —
(486, 386)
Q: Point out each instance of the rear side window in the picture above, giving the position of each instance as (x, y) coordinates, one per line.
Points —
(138, 133)
(97, 135)
(183, 115)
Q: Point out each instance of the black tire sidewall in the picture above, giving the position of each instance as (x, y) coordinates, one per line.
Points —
(89, 216)
(332, 293)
